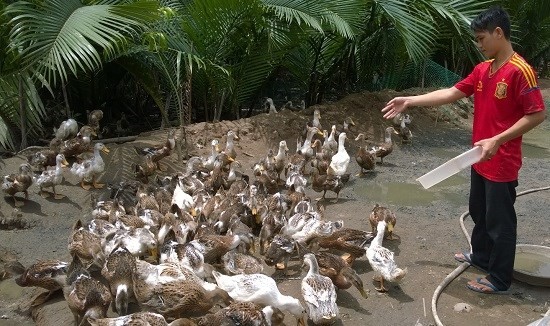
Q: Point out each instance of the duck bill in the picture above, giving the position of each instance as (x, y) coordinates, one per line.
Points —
(105, 150)
(64, 164)
(236, 137)
(364, 293)
(193, 212)
(154, 252)
(258, 218)
(390, 228)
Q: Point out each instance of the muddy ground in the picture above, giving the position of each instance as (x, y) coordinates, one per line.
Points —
(427, 229)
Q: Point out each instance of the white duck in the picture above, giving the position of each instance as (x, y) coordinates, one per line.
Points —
(298, 221)
(189, 255)
(405, 132)
(382, 261)
(306, 149)
(52, 178)
(340, 161)
(314, 227)
(183, 200)
(319, 294)
(68, 129)
(209, 162)
(280, 158)
(230, 146)
(138, 241)
(272, 108)
(260, 289)
(317, 119)
(330, 144)
(91, 167)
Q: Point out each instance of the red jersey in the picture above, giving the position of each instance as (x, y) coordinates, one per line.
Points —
(500, 100)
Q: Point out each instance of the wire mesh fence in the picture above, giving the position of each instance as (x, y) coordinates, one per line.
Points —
(426, 74)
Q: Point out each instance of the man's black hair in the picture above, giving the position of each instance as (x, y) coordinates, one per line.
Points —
(490, 19)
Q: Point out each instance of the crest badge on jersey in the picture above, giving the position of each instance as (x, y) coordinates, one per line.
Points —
(479, 86)
(501, 90)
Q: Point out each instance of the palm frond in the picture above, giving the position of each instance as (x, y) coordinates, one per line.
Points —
(297, 11)
(64, 36)
(9, 104)
(415, 26)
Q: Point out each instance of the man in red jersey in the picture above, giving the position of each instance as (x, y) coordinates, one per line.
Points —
(507, 104)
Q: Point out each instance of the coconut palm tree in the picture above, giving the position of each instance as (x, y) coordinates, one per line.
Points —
(53, 39)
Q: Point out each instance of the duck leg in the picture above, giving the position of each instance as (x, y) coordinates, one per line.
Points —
(44, 194)
(97, 185)
(381, 280)
(337, 195)
(56, 195)
(84, 186)
(17, 203)
(322, 198)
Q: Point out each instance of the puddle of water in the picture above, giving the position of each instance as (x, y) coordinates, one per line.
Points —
(536, 143)
(533, 264)
(455, 180)
(534, 151)
(409, 194)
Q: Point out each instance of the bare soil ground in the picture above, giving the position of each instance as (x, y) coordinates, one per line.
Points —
(427, 229)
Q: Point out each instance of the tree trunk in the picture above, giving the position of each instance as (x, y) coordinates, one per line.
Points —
(163, 121)
(219, 107)
(185, 117)
(66, 99)
(22, 113)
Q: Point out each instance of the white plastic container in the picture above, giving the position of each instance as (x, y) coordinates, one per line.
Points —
(451, 167)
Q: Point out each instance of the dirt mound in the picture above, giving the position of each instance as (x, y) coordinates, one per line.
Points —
(363, 108)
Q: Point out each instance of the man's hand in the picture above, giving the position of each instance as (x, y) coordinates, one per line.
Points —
(490, 147)
(395, 106)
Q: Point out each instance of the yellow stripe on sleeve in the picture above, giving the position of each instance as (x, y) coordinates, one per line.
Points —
(526, 70)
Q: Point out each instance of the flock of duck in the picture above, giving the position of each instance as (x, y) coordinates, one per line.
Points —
(175, 246)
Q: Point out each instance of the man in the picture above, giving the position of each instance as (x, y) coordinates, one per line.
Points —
(507, 104)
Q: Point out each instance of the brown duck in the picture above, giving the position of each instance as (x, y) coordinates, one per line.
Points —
(384, 149)
(79, 144)
(341, 274)
(380, 213)
(46, 157)
(43, 274)
(365, 159)
(18, 182)
(350, 241)
(118, 270)
(325, 182)
(160, 151)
